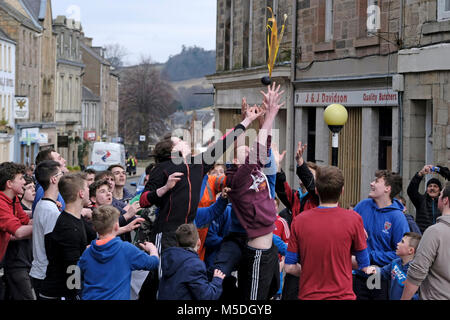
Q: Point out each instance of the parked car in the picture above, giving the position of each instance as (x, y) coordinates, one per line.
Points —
(98, 167)
(140, 184)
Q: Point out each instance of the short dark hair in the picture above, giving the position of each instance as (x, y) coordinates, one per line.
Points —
(95, 185)
(187, 235)
(9, 171)
(103, 174)
(414, 239)
(149, 168)
(446, 190)
(312, 165)
(391, 179)
(163, 149)
(117, 165)
(70, 185)
(28, 179)
(44, 171)
(401, 199)
(90, 171)
(44, 155)
(329, 183)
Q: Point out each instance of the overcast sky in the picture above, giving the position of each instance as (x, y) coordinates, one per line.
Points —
(157, 28)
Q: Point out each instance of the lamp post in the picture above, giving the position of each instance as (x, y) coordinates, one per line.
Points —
(335, 117)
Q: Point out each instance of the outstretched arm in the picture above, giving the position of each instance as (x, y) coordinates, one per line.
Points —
(271, 105)
(209, 157)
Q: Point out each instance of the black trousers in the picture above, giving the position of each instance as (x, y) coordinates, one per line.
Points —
(363, 292)
(290, 287)
(227, 260)
(259, 273)
(149, 289)
(19, 284)
(37, 284)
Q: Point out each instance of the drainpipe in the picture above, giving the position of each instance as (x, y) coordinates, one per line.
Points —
(400, 28)
(400, 133)
(290, 130)
(400, 96)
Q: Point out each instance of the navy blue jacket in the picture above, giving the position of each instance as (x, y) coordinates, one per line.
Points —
(396, 272)
(184, 277)
(412, 224)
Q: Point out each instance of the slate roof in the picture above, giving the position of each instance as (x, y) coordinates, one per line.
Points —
(26, 21)
(94, 53)
(88, 95)
(5, 37)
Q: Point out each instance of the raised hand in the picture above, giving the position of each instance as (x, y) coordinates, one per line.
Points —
(426, 170)
(254, 112)
(299, 154)
(219, 274)
(225, 192)
(272, 99)
(150, 248)
(132, 210)
(173, 179)
(278, 157)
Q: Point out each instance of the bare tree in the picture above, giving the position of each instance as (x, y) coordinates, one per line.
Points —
(115, 54)
(145, 102)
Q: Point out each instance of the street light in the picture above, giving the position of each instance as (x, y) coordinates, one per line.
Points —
(335, 116)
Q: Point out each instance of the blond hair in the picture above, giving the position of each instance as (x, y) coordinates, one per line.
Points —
(104, 218)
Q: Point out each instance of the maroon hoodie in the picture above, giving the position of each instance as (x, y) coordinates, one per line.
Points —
(250, 195)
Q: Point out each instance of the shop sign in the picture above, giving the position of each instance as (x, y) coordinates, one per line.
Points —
(360, 98)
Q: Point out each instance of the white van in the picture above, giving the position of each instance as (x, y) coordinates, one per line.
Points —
(108, 153)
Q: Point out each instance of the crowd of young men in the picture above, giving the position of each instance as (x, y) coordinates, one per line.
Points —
(62, 241)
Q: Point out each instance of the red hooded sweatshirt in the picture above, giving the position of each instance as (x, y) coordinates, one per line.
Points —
(250, 194)
(12, 217)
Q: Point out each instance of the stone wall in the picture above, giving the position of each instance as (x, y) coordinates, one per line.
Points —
(350, 37)
(26, 62)
(248, 35)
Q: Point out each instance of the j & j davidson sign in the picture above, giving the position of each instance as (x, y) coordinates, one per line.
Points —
(383, 97)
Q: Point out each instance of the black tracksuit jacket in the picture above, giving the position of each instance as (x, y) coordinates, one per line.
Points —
(179, 205)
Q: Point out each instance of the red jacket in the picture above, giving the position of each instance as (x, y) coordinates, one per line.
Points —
(12, 217)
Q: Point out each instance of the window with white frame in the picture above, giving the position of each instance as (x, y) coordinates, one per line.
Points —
(9, 60)
(443, 10)
(1, 57)
(328, 20)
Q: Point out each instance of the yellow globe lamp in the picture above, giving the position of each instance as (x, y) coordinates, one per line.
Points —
(335, 116)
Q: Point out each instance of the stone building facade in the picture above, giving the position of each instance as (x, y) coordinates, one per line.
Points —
(69, 86)
(383, 60)
(18, 23)
(425, 77)
(103, 82)
(241, 62)
(340, 58)
(7, 92)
